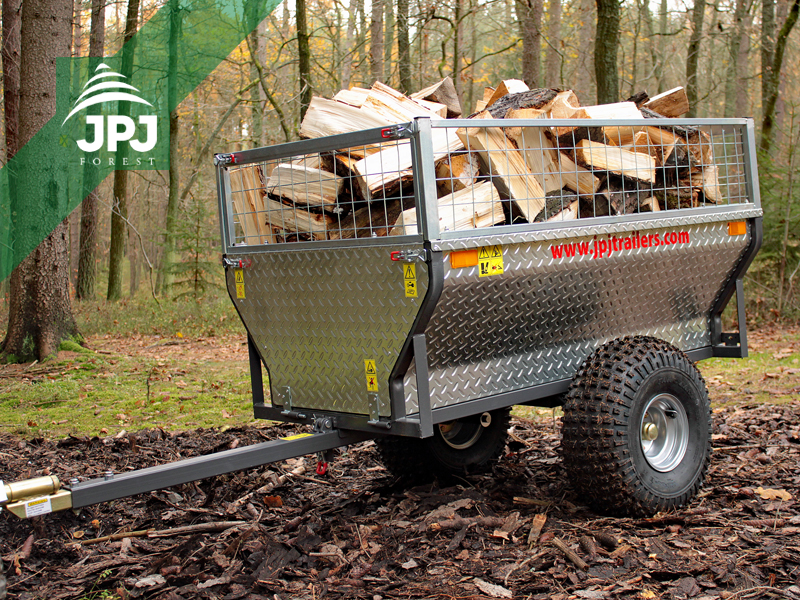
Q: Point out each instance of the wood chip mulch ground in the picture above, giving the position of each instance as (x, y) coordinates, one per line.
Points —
(283, 532)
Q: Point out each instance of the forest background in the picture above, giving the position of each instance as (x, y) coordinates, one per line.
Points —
(153, 235)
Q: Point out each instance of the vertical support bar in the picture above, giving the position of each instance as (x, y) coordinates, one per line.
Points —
(256, 374)
(751, 164)
(222, 197)
(425, 179)
(423, 390)
(741, 317)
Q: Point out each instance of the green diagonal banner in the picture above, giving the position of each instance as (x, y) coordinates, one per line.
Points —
(175, 50)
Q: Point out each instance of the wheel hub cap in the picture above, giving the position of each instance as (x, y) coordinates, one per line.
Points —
(664, 432)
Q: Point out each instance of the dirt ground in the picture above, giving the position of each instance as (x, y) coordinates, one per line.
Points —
(282, 531)
(355, 533)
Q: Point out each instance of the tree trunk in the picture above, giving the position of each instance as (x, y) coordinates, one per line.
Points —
(458, 52)
(647, 15)
(552, 77)
(376, 41)
(257, 96)
(40, 313)
(693, 55)
(85, 287)
(119, 203)
(388, 41)
(774, 74)
(662, 46)
(303, 58)
(403, 47)
(11, 52)
(167, 271)
(742, 72)
(732, 81)
(585, 85)
(767, 46)
(606, 42)
(529, 15)
(347, 63)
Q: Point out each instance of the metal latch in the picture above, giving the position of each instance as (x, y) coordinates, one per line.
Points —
(420, 255)
(224, 159)
(396, 132)
(236, 263)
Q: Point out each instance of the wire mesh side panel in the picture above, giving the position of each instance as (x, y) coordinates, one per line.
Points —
(536, 172)
(356, 192)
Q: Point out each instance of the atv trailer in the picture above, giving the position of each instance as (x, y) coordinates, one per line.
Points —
(424, 339)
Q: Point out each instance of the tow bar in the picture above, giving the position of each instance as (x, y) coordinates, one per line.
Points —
(43, 495)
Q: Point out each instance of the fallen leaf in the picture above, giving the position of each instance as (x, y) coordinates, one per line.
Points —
(411, 564)
(273, 501)
(647, 594)
(78, 534)
(150, 581)
(773, 494)
(226, 414)
(495, 591)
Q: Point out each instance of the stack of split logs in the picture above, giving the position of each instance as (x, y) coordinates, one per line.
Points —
(485, 176)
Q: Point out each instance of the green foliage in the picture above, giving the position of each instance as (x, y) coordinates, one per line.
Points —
(197, 234)
(71, 345)
(209, 315)
(769, 295)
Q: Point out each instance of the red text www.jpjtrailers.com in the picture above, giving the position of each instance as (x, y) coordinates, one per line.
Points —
(605, 247)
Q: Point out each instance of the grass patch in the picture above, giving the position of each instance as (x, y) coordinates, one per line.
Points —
(131, 384)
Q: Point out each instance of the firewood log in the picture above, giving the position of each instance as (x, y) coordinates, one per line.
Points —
(507, 86)
(247, 195)
(505, 164)
(305, 185)
(456, 172)
(616, 160)
(672, 103)
(476, 206)
(443, 92)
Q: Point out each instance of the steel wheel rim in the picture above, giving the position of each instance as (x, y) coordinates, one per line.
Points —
(666, 449)
(460, 434)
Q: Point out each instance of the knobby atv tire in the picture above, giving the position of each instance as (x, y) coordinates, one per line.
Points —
(417, 459)
(602, 444)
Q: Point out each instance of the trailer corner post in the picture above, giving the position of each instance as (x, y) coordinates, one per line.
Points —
(425, 179)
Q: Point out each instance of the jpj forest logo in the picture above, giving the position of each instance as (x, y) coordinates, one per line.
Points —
(109, 131)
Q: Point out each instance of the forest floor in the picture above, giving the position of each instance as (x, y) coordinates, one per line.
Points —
(282, 531)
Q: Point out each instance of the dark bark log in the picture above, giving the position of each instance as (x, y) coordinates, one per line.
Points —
(85, 286)
(605, 51)
(40, 314)
(532, 99)
(119, 202)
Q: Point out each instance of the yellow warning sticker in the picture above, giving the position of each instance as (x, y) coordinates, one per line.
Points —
(239, 274)
(372, 375)
(295, 437)
(490, 261)
(410, 279)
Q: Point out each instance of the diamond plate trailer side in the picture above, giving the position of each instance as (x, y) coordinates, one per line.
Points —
(319, 309)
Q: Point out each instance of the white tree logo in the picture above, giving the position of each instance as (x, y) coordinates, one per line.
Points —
(120, 128)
